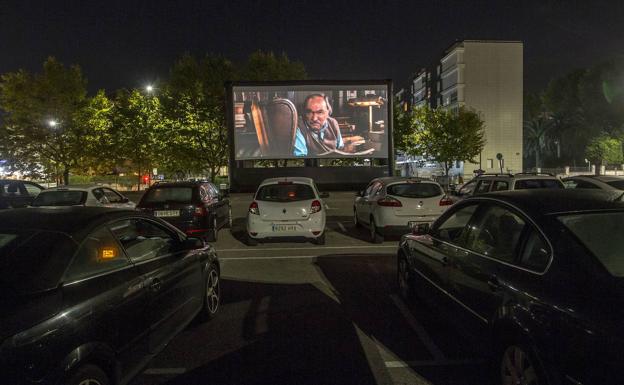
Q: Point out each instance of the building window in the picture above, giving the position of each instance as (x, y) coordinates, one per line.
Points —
(490, 163)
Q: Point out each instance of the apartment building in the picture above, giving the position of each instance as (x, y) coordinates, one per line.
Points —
(486, 76)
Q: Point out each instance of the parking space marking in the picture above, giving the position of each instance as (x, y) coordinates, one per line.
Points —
(414, 364)
(311, 248)
(161, 371)
(435, 351)
(342, 227)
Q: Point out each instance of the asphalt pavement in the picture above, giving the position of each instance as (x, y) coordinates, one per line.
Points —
(298, 313)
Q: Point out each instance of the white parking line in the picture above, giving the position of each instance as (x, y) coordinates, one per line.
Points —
(413, 364)
(438, 356)
(311, 248)
(342, 227)
(161, 371)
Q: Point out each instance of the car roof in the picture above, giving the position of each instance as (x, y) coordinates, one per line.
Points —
(519, 176)
(293, 179)
(67, 219)
(86, 187)
(601, 178)
(183, 183)
(542, 202)
(396, 179)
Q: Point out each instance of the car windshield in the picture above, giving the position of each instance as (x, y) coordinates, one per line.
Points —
(414, 190)
(290, 192)
(589, 228)
(60, 198)
(537, 183)
(618, 184)
(169, 194)
(35, 259)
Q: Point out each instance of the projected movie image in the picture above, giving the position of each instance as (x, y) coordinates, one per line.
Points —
(288, 122)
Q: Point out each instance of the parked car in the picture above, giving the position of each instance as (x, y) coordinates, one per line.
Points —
(197, 208)
(92, 195)
(604, 182)
(287, 207)
(485, 183)
(89, 294)
(537, 273)
(17, 193)
(394, 205)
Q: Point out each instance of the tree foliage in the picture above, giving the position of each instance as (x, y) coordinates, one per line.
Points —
(536, 137)
(445, 135)
(604, 150)
(262, 66)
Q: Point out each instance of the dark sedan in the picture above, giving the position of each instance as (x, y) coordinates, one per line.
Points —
(90, 294)
(199, 209)
(17, 193)
(540, 272)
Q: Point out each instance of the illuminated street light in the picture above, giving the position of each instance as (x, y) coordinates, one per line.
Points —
(149, 88)
(52, 123)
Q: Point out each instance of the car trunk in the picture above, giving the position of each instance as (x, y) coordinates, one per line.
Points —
(418, 206)
(172, 212)
(22, 311)
(417, 198)
(284, 211)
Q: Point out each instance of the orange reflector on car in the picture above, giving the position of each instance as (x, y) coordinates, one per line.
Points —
(108, 253)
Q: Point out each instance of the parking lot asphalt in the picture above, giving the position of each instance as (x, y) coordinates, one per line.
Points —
(298, 313)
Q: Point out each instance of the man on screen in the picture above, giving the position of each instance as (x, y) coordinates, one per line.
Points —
(318, 133)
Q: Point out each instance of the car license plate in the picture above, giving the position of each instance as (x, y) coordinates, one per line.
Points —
(414, 224)
(279, 228)
(167, 213)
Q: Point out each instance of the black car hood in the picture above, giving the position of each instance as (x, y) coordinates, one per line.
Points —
(21, 312)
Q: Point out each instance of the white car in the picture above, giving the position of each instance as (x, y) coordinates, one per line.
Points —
(602, 182)
(82, 196)
(395, 205)
(287, 207)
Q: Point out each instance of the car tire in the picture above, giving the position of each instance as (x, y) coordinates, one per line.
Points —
(213, 233)
(250, 241)
(87, 374)
(375, 237)
(518, 364)
(212, 294)
(355, 219)
(404, 280)
(319, 240)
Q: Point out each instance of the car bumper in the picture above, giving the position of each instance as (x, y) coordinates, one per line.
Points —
(311, 228)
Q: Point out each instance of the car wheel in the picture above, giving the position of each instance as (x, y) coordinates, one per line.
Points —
(355, 219)
(212, 295)
(518, 366)
(403, 277)
(319, 240)
(213, 233)
(87, 375)
(375, 237)
(250, 241)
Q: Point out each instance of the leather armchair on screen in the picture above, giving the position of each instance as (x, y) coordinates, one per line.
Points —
(275, 124)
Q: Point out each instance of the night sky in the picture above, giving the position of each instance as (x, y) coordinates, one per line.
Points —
(130, 43)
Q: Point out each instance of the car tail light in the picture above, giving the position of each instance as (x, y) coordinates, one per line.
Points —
(200, 211)
(446, 201)
(316, 207)
(253, 208)
(389, 202)
(316, 232)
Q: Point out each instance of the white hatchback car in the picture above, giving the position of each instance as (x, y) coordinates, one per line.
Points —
(395, 205)
(82, 196)
(287, 207)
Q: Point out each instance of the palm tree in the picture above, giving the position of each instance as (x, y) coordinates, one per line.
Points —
(536, 137)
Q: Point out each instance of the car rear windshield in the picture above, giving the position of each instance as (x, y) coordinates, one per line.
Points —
(618, 184)
(600, 232)
(33, 260)
(60, 198)
(285, 193)
(537, 183)
(169, 194)
(414, 190)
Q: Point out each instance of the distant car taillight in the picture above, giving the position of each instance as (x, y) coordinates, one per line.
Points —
(389, 202)
(200, 211)
(446, 201)
(253, 208)
(316, 207)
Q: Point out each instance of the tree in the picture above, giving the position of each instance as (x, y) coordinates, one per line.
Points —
(101, 155)
(41, 132)
(536, 138)
(604, 150)
(446, 136)
(138, 126)
(262, 66)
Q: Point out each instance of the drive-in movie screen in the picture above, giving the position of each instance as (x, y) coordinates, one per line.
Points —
(310, 121)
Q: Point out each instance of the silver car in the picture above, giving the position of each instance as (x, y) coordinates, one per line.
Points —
(82, 196)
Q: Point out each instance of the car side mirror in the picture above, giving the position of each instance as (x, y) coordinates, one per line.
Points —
(125, 200)
(192, 243)
(324, 195)
(421, 229)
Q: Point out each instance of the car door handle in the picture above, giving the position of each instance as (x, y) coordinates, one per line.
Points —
(493, 283)
(155, 284)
